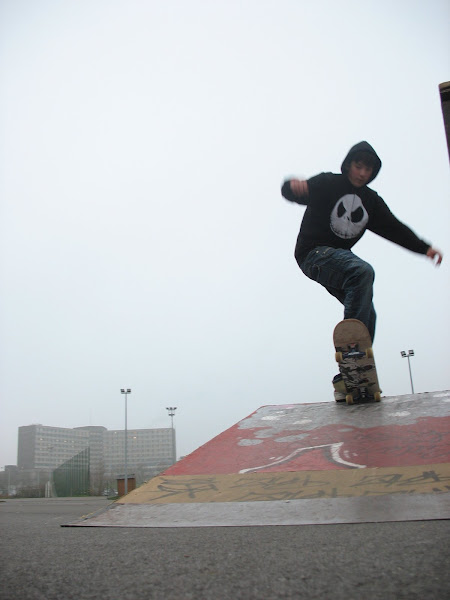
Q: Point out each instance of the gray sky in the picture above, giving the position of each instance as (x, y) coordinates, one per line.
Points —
(144, 240)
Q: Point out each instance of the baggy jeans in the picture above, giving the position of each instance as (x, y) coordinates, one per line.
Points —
(346, 277)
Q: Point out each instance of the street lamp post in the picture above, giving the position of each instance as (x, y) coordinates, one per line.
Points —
(126, 391)
(171, 411)
(49, 485)
(408, 356)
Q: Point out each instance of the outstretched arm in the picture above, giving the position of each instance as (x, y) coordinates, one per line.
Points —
(435, 255)
(388, 226)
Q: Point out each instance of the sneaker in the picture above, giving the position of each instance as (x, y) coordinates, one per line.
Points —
(340, 391)
(339, 396)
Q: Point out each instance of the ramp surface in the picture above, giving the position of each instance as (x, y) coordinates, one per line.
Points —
(306, 463)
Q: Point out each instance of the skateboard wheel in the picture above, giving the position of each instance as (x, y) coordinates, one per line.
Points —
(349, 399)
(377, 396)
(369, 352)
(338, 356)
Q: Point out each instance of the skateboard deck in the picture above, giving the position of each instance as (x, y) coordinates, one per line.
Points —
(354, 355)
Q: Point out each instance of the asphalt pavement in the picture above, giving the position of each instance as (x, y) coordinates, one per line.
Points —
(40, 559)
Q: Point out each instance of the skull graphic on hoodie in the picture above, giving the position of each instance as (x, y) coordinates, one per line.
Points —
(349, 217)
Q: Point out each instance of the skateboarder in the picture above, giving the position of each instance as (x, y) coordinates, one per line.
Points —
(339, 208)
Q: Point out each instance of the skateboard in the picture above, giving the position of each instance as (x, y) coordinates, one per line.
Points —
(354, 355)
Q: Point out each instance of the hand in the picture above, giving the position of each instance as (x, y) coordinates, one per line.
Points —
(299, 187)
(435, 255)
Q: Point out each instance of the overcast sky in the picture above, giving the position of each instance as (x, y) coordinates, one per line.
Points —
(144, 240)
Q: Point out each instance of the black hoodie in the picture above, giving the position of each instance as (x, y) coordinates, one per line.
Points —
(338, 214)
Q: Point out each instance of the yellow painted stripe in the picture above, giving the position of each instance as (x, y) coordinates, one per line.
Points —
(252, 487)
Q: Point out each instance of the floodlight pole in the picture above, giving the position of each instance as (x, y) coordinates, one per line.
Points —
(126, 391)
(408, 356)
(171, 411)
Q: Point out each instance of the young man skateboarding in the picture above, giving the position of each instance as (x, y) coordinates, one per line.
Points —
(339, 209)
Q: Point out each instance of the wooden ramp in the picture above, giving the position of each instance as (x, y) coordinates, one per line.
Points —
(305, 464)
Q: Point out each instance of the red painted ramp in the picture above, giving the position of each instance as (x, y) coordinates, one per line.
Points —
(405, 431)
(306, 464)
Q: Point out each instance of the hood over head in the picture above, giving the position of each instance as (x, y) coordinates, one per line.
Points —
(362, 147)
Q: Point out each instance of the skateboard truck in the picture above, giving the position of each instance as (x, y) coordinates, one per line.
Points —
(353, 352)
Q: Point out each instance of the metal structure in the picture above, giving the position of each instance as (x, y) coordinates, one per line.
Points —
(408, 356)
(444, 91)
(125, 392)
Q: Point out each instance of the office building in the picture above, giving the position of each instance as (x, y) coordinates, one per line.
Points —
(149, 451)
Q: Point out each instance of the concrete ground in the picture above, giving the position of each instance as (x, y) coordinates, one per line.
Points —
(40, 559)
(385, 465)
